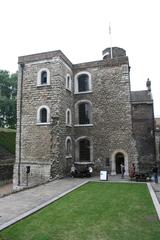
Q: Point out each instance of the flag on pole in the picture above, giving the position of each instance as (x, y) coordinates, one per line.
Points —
(109, 28)
(110, 39)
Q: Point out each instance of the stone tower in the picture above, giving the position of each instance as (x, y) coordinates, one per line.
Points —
(73, 113)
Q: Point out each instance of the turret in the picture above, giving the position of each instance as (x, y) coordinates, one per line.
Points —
(116, 52)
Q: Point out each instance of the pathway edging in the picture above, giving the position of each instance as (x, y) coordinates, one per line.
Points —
(154, 199)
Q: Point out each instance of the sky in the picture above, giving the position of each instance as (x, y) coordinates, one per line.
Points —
(80, 29)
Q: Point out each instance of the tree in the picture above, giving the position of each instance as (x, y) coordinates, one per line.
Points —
(8, 93)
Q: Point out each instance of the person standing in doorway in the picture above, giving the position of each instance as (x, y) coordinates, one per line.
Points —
(122, 170)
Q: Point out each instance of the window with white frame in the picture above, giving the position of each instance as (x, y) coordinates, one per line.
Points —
(83, 82)
(68, 146)
(68, 117)
(83, 149)
(43, 115)
(83, 112)
(43, 77)
(68, 82)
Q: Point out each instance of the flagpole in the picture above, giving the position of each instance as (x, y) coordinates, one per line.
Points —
(110, 39)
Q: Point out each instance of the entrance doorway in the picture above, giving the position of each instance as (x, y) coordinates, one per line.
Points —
(119, 159)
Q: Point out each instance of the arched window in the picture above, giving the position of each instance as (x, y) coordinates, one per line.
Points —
(68, 117)
(68, 82)
(83, 112)
(83, 82)
(68, 145)
(43, 77)
(84, 150)
(43, 115)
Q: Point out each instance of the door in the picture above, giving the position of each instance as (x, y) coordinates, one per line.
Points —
(119, 158)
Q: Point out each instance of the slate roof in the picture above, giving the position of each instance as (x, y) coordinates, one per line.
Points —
(141, 96)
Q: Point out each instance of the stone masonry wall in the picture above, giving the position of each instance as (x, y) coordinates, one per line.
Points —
(157, 143)
(6, 172)
(62, 130)
(40, 144)
(143, 129)
(111, 109)
(6, 166)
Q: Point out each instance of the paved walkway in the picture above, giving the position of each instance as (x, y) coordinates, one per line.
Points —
(6, 189)
(156, 188)
(14, 206)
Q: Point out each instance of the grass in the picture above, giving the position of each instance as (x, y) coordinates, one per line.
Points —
(96, 211)
(7, 139)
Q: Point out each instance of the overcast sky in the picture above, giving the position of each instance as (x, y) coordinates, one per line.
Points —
(80, 28)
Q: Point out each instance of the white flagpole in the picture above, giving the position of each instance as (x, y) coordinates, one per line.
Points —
(110, 39)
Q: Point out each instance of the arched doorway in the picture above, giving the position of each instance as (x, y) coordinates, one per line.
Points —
(119, 159)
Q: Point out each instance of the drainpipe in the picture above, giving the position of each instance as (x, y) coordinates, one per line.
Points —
(20, 122)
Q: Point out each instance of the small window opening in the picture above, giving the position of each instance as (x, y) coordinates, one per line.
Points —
(44, 77)
(43, 115)
(68, 146)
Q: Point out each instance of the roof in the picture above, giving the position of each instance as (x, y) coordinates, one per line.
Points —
(58, 53)
(43, 56)
(144, 96)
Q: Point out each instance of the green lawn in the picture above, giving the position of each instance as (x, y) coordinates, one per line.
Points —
(7, 139)
(96, 211)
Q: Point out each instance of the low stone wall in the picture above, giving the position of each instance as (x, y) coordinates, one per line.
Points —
(6, 172)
